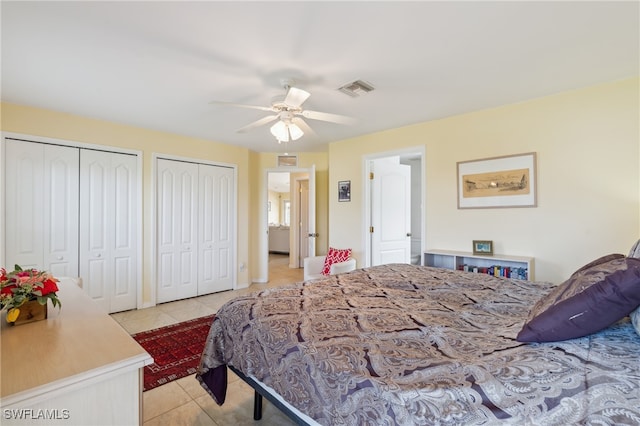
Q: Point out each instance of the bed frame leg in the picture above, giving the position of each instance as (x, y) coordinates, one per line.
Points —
(257, 406)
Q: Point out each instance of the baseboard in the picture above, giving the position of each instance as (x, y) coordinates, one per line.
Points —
(242, 285)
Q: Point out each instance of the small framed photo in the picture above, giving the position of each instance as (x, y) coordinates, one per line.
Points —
(344, 190)
(483, 247)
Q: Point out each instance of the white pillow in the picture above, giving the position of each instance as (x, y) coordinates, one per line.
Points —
(635, 250)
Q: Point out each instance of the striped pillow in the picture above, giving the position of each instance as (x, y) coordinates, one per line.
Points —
(335, 256)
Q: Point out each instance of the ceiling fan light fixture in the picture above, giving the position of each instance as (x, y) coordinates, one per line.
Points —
(288, 114)
(284, 132)
(279, 130)
(295, 132)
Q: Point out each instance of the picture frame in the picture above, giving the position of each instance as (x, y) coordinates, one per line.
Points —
(507, 181)
(483, 247)
(344, 190)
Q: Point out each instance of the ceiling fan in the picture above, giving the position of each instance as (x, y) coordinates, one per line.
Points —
(289, 113)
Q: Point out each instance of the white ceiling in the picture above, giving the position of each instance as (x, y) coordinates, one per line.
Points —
(157, 65)
(279, 181)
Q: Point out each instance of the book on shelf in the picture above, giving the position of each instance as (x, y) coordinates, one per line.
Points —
(498, 271)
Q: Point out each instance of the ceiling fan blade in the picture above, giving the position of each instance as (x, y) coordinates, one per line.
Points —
(304, 127)
(257, 123)
(325, 116)
(296, 97)
(261, 108)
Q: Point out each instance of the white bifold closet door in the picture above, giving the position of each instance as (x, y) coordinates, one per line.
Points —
(215, 244)
(177, 226)
(108, 248)
(41, 207)
(72, 211)
(194, 235)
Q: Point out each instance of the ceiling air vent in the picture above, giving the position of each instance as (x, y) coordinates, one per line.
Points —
(287, 161)
(357, 88)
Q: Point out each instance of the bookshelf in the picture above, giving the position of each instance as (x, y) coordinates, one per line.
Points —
(521, 267)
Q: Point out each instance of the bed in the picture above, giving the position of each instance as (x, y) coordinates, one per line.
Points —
(413, 345)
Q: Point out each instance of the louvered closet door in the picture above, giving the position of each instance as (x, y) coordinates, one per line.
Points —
(108, 239)
(177, 243)
(216, 246)
(42, 207)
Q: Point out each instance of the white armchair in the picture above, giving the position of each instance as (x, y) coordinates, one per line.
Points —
(313, 267)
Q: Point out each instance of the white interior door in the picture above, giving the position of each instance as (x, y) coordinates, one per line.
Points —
(390, 212)
(24, 213)
(215, 253)
(108, 241)
(61, 205)
(177, 185)
(42, 207)
(313, 234)
(303, 221)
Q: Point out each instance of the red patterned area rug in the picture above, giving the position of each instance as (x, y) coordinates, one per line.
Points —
(175, 349)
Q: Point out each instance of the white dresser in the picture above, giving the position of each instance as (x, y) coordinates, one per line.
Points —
(78, 367)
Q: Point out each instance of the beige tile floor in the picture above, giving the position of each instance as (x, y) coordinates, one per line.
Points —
(184, 401)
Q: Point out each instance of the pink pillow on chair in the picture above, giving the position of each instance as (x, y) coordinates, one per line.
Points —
(335, 256)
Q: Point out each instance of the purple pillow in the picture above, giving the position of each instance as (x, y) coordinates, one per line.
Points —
(635, 319)
(588, 301)
(598, 261)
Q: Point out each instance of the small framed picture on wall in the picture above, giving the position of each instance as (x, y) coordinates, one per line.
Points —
(344, 190)
(483, 247)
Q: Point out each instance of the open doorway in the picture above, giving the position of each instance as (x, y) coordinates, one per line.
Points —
(279, 210)
(290, 215)
(279, 218)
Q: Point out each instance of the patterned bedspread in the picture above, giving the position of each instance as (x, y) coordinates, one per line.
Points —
(411, 345)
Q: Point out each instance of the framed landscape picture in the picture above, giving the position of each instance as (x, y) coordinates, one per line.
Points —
(508, 181)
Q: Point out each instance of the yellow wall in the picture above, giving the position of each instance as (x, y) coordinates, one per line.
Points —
(276, 215)
(588, 152)
(588, 177)
(39, 122)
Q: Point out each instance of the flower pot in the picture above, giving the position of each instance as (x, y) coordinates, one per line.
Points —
(31, 311)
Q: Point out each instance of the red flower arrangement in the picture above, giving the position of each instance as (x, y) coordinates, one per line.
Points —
(20, 286)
